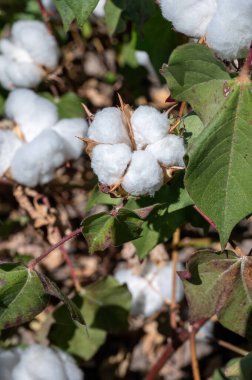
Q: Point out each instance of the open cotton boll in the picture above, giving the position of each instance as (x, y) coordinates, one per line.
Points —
(34, 163)
(108, 127)
(143, 59)
(190, 17)
(72, 371)
(109, 162)
(42, 363)
(9, 144)
(169, 151)
(5, 81)
(99, 10)
(13, 52)
(34, 37)
(230, 31)
(33, 113)
(8, 360)
(69, 130)
(144, 175)
(149, 125)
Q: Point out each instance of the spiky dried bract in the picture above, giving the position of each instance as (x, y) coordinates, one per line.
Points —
(190, 17)
(108, 127)
(230, 31)
(169, 151)
(34, 163)
(149, 125)
(9, 144)
(144, 175)
(69, 130)
(110, 162)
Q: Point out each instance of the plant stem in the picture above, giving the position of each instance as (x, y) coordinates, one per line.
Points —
(36, 261)
(180, 339)
(212, 224)
(173, 314)
(244, 75)
(195, 364)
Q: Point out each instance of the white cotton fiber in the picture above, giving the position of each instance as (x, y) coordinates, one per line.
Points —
(149, 125)
(13, 52)
(108, 127)
(49, 5)
(8, 359)
(99, 10)
(69, 130)
(34, 163)
(42, 363)
(9, 144)
(34, 37)
(206, 332)
(190, 17)
(169, 151)
(230, 31)
(144, 175)
(109, 162)
(5, 81)
(33, 113)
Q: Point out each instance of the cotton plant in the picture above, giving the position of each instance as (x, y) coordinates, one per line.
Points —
(225, 25)
(39, 142)
(151, 288)
(133, 152)
(27, 55)
(38, 362)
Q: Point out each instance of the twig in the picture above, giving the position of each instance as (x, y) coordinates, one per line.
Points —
(244, 75)
(175, 242)
(45, 14)
(180, 339)
(195, 364)
(232, 348)
(36, 261)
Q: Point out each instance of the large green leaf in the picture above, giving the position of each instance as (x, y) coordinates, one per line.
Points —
(218, 176)
(236, 369)
(105, 305)
(75, 9)
(22, 295)
(194, 75)
(220, 283)
(105, 229)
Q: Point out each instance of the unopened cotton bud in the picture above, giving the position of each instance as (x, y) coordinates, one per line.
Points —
(34, 37)
(109, 162)
(144, 175)
(69, 130)
(108, 127)
(230, 31)
(9, 144)
(169, 151)
(33, 113)
(190, 17)
(34, 163)
(149, 125)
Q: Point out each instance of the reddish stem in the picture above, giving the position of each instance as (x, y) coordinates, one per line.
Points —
(212, 224)
(36, 261)
(180, 339)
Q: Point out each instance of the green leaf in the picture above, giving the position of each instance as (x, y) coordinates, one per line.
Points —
(69, 106)
(218, 176)
(220, 283)
(195, 76)
(192, 126)
(22, 295)
(98, 198)
(104, 229)
(75, 9)
(105, 305)
(113, 13)
(65, 12)
(236, 369)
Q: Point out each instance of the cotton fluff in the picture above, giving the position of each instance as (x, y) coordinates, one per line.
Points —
(34, 163)
(149, 125)
(190, 17)
(169, 151)
(33, 113)
(144, 175)
(108, 127)
(69, 130)
(150, 291)
(99, 10)
(38, 363)
(9, 144)
(109, 162)
(230, 31)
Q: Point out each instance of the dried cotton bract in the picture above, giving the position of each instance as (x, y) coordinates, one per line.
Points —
(132, 151)
(27, 54)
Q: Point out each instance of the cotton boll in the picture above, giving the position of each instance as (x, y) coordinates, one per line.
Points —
(13, 52)
(149, 125)
(190, 17)
(70, 367)
(9, 144)
(144, 175)
(230, 31)
(143, 59)
(107, 127)
(34, 163)
(169, 151)
(33, 113)
(8, 360)
(69, 130)
(4, 79)
(109, 162)
(34, 37)
(99, 10)
(49, 5)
